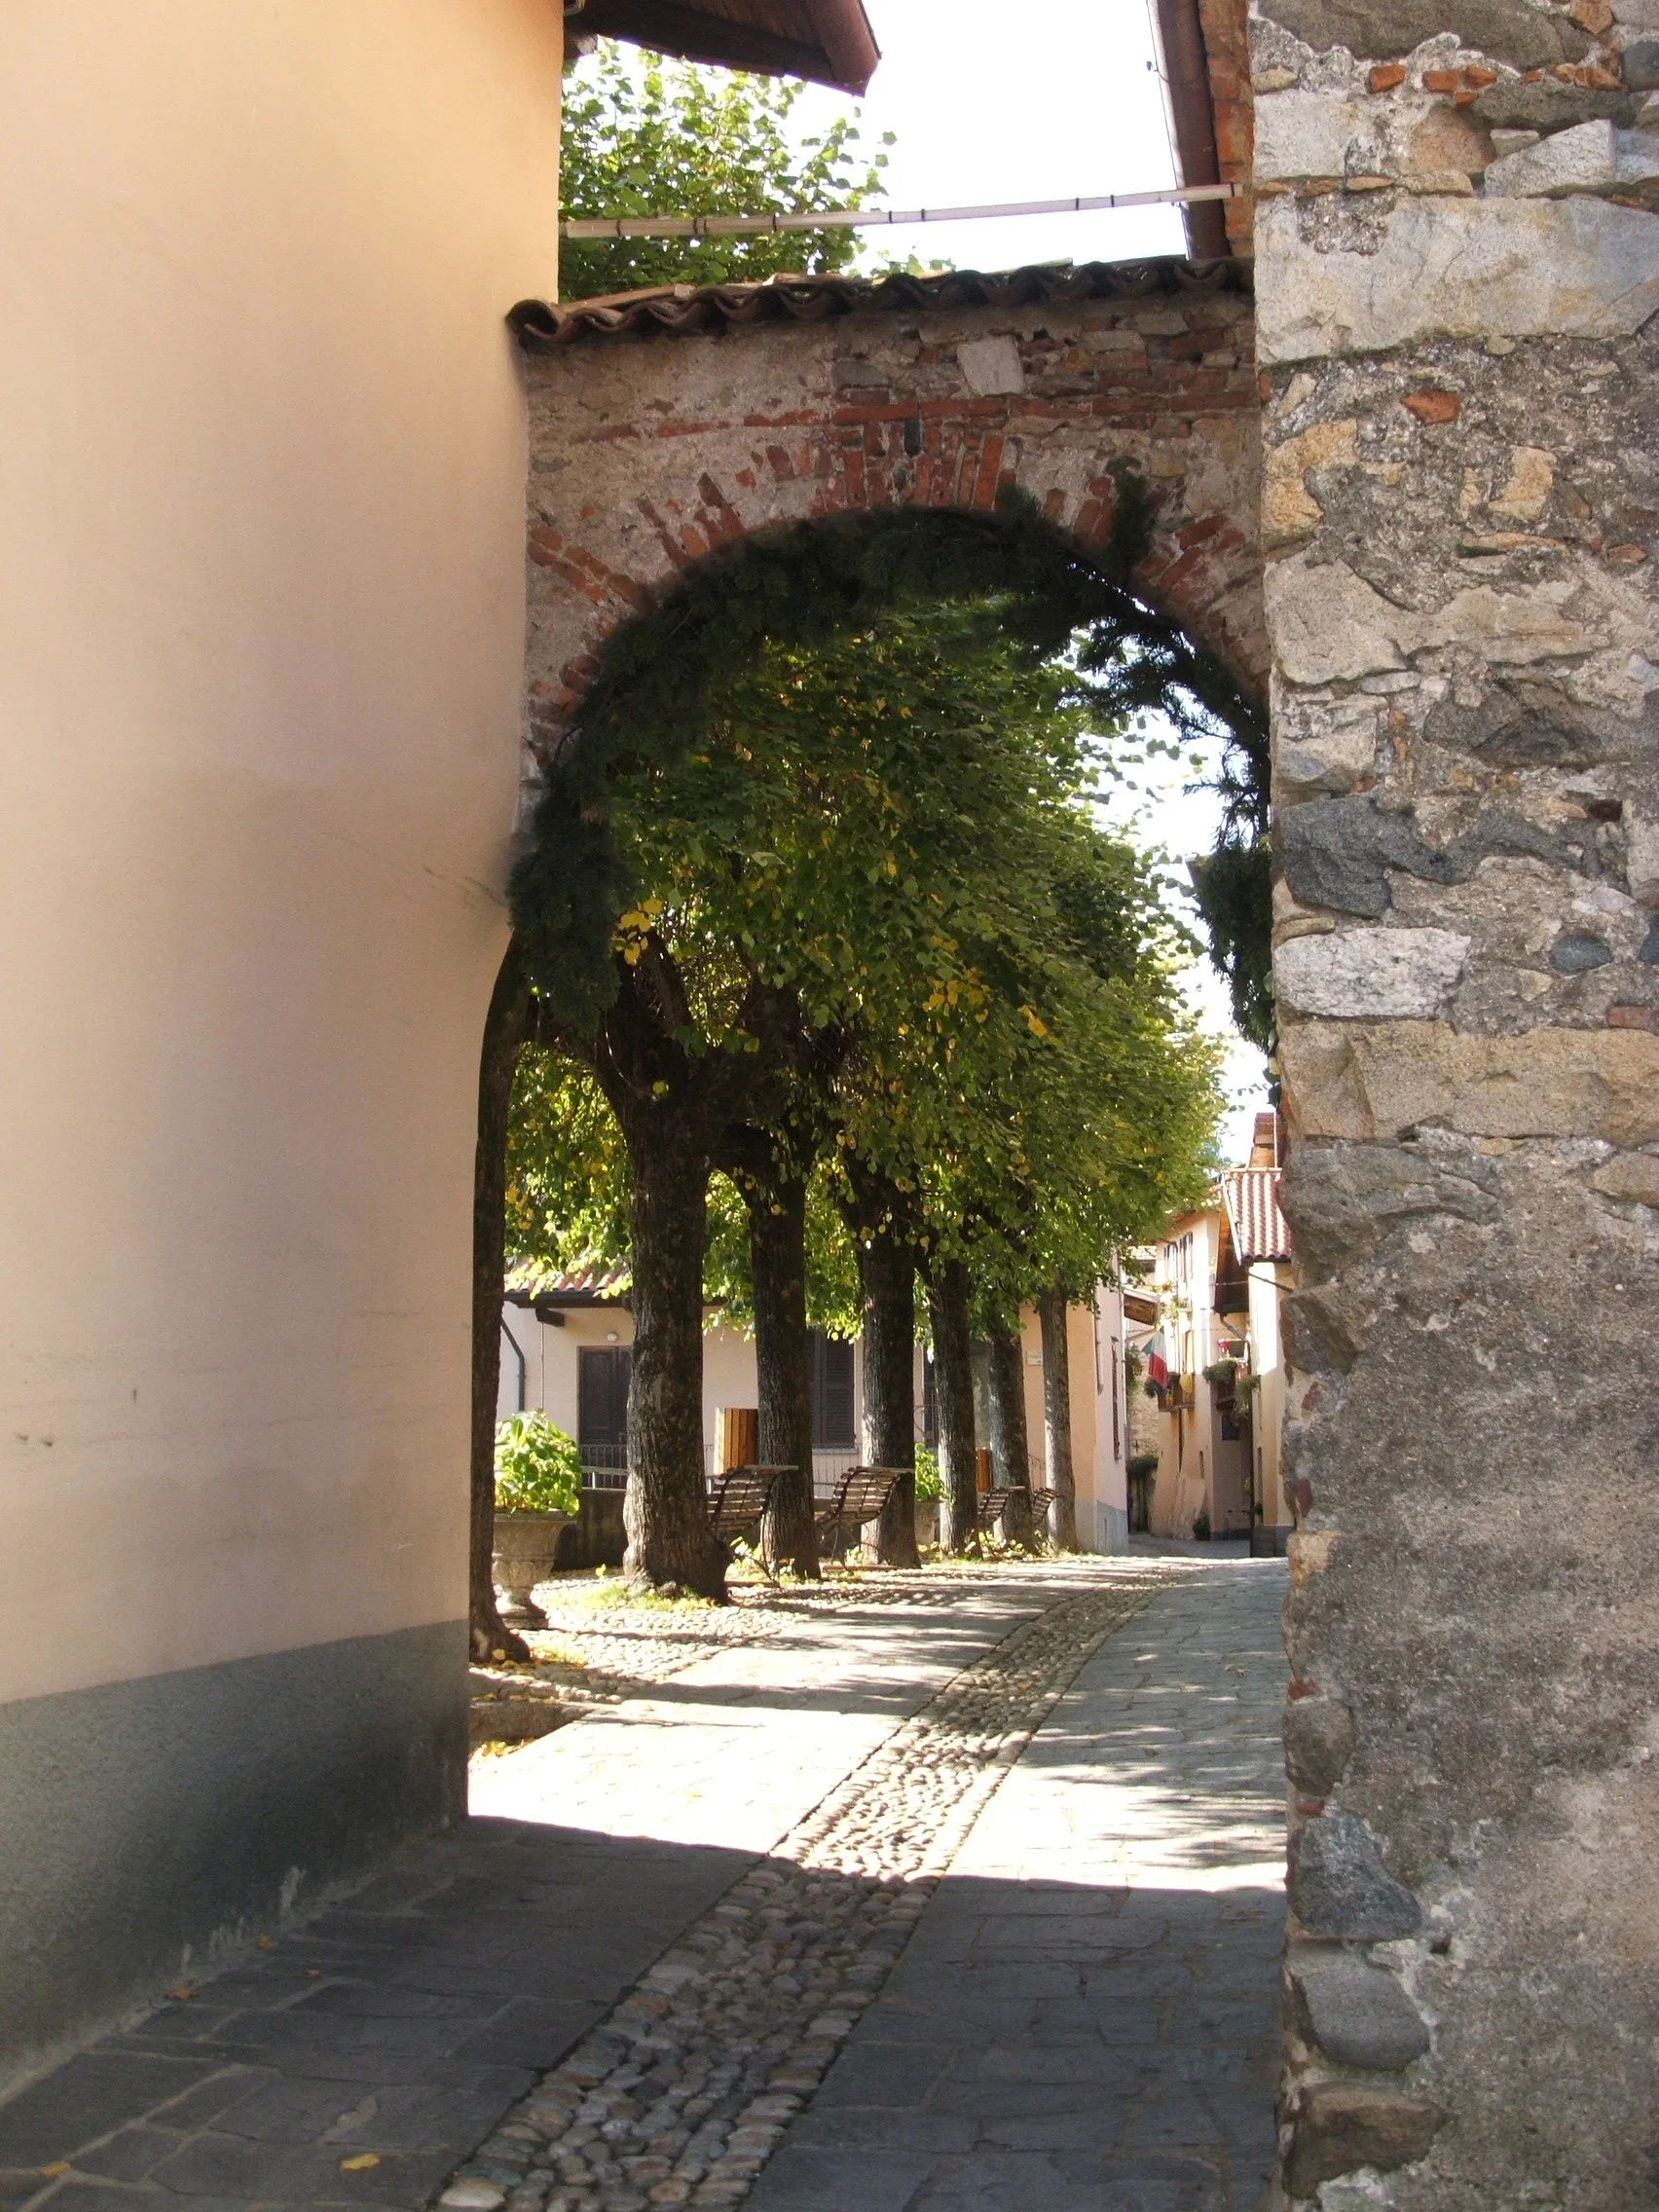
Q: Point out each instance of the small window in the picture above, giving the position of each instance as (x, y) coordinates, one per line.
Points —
(834, 1425)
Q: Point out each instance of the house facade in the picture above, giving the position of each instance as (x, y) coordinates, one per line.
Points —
(1215, 1359)
(566, 1346)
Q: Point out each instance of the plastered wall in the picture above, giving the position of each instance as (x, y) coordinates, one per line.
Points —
(261, 654)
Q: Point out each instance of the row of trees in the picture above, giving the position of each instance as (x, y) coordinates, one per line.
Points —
(875, 971)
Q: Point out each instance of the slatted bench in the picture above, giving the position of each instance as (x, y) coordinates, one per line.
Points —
(1028, 1510)
(738, 1498)
(859, 1495)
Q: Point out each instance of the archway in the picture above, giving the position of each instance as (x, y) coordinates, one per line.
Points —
(1095, 455)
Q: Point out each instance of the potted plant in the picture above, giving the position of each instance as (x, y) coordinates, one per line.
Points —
(930, 1493)
(539, 1494)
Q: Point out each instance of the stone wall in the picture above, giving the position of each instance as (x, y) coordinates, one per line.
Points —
(1457, 263)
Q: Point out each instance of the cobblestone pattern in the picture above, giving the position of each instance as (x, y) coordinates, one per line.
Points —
(679, 2096)
(602, 1653)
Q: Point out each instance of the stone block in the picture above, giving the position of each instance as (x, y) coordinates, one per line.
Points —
(1289, 512)
(1526, 491)
(1359, 974)
(1639, 158)
(1302, 134)
(1633, 1176)
(1575, 955)
(1330, 626)
(1329, 761)
(1357, 2014)
(1509, 30)
(1584, 158)
(1640, 59)
(1642, 862)
(1343, 2126)
(1477, 268)
(1319, 1743)
(991, 366)
(1337, 1885)
(1369, 1080)
(1544, 103)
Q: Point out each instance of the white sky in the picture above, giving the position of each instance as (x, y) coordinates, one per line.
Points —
(1057, 101)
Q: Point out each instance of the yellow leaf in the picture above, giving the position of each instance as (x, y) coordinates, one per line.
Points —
(181, 1991)
(361, 2163)
(60, 2167)
(266, 1943)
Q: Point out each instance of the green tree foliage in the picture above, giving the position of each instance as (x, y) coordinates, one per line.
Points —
(892, 827)
(662, 683)
(648, 137)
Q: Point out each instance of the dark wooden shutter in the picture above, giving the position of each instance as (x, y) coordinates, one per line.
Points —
(833, 1428)
(601, 1404)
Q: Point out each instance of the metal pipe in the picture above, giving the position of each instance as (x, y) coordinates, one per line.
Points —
(522, 1365)
(860, 218)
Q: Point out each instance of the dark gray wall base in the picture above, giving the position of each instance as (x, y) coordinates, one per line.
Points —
(597, 1536)
(147, 1824)
(1267, 1541)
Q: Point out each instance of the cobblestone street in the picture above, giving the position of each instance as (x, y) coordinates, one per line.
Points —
(960, 1892)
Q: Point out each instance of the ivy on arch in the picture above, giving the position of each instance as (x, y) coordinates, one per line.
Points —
(809, 583)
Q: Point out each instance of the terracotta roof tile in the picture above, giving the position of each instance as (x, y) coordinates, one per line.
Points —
(684, 310)
(1259, 1229)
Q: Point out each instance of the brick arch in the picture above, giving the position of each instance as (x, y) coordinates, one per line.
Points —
(650, 453)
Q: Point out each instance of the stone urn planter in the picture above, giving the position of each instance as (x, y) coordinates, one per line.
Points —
(525, 1547)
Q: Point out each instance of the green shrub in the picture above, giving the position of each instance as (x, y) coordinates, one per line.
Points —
(1142, 1464)
(930, 1483)
(1201, 1530)
(537, 1466)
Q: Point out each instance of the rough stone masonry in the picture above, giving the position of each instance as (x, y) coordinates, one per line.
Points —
(1457, 271)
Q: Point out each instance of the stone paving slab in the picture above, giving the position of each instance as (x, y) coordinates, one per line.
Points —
(398, 2027)
(1085, 2019)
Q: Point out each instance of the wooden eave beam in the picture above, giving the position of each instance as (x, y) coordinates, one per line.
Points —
(1185, 66)
(845, 56)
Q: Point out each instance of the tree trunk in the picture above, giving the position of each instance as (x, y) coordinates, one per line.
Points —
(887, 1276)
(1056, 1419)
(782, 1359)
(505, 1027)
(666, 1508)
(953, 1396)
(1011, 1451)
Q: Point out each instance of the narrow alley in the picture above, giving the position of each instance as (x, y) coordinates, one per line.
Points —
(963, 1893)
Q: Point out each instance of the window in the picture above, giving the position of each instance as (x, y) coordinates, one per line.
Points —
(601, 1404)
(833, 1427)
(1117, 1433)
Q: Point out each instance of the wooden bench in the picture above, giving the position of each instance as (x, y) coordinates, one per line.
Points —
(990, 1510)
(1029, 1508)
(738, 1498)
(859, 1495)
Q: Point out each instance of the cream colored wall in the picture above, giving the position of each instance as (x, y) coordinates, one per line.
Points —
(1103, 1351)
(1267, 1287)
(1188, 1444)
(260, 642)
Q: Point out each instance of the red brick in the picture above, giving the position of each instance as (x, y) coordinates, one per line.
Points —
(1387, 75)
(1433, 406)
